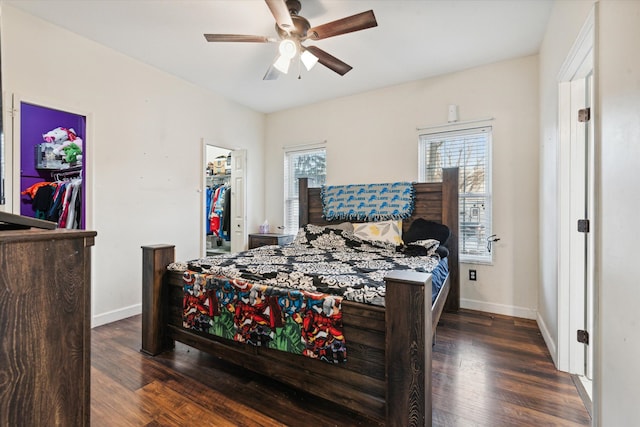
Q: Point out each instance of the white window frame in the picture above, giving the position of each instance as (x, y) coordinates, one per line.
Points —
(486, 256)
(291, 199)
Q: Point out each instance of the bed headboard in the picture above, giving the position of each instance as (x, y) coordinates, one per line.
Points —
(435, 201)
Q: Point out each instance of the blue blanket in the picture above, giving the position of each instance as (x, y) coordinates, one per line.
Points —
(368, 202)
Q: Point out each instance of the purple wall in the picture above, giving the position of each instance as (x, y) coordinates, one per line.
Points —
(34, 121)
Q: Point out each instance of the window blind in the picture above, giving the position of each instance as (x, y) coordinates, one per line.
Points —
(470, 151)
(309, 164)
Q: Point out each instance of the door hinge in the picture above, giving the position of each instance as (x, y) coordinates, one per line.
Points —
(584, 115)
(583, 225)
(583, 336)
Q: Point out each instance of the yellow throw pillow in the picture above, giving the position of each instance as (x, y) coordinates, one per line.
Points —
(383, 231)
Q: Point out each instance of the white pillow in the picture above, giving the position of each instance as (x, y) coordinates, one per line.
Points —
(383, 231)
(344, 226)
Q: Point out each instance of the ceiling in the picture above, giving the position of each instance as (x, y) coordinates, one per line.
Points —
(414, 39)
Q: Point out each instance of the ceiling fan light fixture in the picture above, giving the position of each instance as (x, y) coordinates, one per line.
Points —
(308, 59)
(288, 48)
(282, 64)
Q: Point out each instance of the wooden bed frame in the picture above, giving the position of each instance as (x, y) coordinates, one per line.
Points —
(388, 374)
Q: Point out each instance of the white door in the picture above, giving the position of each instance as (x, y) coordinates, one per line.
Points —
(576, 194)
(238, 200)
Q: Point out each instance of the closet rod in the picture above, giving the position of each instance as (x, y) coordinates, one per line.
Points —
(486, 119)
(67, 173)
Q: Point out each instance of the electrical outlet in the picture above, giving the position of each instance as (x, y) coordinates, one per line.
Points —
(472, 275)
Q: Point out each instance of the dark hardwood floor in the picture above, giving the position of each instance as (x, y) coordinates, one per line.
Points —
(488, 370)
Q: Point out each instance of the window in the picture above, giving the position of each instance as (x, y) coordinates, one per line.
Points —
(309, 163)
(469, 150)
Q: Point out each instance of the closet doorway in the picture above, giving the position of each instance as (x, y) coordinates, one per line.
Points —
(217, 200)
(51, 148)
(223, 204)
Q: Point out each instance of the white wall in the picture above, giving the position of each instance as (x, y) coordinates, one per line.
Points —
(618, 345)
(144, 147)
(617, 106)
(372, 137)
(566, 20)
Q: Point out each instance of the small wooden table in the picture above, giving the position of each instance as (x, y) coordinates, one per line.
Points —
(257, 240)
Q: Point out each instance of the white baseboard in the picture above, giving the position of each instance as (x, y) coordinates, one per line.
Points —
(551, 345)
(507, 310)
(115, 315)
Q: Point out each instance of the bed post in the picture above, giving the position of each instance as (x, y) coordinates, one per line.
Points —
(408, 348)
(155, 259)
(303, 201)
(451, 217)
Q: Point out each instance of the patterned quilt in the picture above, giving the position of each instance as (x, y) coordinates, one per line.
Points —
(320, 259)
(295, 321)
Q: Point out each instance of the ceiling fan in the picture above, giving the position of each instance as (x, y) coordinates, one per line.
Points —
(293, 30)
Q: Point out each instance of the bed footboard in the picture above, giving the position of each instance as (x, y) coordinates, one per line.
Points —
(408, 348)
(155, 259)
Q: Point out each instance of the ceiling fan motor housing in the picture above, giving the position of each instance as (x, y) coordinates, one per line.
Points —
(301, 26)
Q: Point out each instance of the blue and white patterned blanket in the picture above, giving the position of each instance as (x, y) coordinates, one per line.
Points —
(369, 202)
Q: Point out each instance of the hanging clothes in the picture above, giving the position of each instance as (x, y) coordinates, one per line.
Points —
(54, 211)
(219, 210)
(226, 216)
(59, 201)
(209, 201)
(43, 199)
(33, 190)
(213, 216)
(72, 212)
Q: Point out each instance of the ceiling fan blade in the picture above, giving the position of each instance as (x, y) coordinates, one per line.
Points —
(330, 61)
(280, 12)
(271, 74)
(236, 38)
(349, 24)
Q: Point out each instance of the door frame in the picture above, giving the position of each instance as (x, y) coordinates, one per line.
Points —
(12, 201)
(235, 193)
(579, 64)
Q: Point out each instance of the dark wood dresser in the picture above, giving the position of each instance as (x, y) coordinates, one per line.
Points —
(264, 239)
(45, 327)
